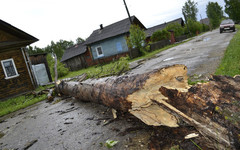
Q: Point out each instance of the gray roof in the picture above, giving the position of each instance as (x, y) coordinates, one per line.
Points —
(115, 29)
(153, 29)
(73, 51)
(205, 21)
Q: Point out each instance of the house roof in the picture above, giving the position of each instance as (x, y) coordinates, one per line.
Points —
(205, 21)
(115, 29)
(22, 38)
(153, 29)
(73, 51)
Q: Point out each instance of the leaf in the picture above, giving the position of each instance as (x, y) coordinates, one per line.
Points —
(110, 143)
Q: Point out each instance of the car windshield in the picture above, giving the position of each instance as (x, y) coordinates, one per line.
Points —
(227, 22)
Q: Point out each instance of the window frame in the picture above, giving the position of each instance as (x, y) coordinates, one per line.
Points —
(4, 69)
(101, 55)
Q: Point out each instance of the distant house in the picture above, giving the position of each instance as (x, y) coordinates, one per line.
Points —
(103, 45)
(205, 21)
(109, 42)
(77, 57)
(153, 29)
(16, 76)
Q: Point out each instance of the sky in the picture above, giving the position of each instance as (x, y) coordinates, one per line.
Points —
(52, 20)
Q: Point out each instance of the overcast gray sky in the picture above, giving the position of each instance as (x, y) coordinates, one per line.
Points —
(52, 20)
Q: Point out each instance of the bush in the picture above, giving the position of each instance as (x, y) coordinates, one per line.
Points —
(194, 26)
(177, 28)
(160, 35)
(61, 69)
(136, 38)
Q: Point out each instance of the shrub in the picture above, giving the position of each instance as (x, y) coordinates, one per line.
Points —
(194, 26)
(160, 35)
(136, 38)
(177, 28)
(61, 69)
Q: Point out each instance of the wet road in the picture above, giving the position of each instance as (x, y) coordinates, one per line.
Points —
(70, 124)
(201, 55)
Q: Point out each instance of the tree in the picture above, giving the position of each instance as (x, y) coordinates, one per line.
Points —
(177, 28)
(214, 13)
(79, 40)
(136, 38)
(194, 26)
(190, 10)
(232, 8)
(160, 35)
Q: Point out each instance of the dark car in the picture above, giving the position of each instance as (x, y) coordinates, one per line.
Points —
(227, 24)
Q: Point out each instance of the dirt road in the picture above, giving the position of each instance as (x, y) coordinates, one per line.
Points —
(70, 124)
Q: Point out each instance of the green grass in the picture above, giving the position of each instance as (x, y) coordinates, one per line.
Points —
(14, 104)
(230, 64)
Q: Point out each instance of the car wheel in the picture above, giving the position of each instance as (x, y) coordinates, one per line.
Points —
(234, 30)
(220, 31)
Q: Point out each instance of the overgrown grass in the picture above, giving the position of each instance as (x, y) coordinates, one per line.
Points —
(14, 104)
(230, 64)
(102, 70)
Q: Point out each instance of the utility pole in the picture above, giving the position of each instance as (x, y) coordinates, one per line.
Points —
(127, 11)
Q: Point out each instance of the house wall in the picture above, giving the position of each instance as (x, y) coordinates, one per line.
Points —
(109, 47)
(76, 63)
(17, 85)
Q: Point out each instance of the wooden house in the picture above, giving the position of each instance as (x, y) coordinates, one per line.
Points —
(107, 43)
(16, 76)
(77, 57)
(103, 45)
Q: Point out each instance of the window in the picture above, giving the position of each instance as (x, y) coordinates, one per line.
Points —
(119, 46)
(99, 51)
(9, 68)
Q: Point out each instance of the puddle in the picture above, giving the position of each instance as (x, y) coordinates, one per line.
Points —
(171, 58)
(206, 39)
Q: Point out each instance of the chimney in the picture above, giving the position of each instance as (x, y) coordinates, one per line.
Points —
(101, 26)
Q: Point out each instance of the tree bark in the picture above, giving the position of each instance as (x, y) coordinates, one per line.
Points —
(163, 97)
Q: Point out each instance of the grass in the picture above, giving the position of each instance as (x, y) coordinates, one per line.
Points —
(230, 64)
(20, 102)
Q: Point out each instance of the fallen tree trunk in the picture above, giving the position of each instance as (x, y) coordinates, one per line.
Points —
(139, 95)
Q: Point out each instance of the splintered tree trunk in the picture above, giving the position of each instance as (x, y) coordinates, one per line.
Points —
(213, 108)
(163, 97)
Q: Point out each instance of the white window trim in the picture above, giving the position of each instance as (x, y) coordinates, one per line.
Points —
(98, 53)
(5, 73)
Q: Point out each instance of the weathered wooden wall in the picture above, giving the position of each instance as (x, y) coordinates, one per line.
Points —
(17, 85)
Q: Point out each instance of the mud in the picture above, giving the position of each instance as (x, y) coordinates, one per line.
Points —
(72, 124)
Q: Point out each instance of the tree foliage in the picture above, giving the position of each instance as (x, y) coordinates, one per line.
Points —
(232, 8)
(160, 35)
(177, 28)
(195, 26)
(214, 13)
(190, 10)
(55, 47)
(61, 69)
(136, 38)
